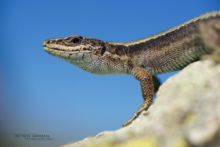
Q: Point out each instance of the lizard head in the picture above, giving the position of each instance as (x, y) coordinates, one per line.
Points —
(87, 53)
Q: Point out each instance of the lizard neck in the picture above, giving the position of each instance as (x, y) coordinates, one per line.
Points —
(117, 57)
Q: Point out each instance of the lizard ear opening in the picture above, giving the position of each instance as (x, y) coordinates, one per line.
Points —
(103, 51)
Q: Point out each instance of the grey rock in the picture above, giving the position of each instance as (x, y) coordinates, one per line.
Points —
(186, 113)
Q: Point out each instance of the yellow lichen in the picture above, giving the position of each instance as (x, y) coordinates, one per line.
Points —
(189, 119)
(105, 143)
(139, 142)
(181, 143)
(136, 142)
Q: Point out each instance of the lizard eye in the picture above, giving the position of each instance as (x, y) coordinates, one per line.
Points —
(75, 40)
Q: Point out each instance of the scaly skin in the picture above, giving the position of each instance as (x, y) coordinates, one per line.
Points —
(165, 52)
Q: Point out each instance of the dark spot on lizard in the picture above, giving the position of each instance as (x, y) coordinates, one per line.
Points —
(69, 55)
(60, 41)
(130, 65)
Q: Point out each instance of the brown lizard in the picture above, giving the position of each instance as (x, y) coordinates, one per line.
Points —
(165, 52)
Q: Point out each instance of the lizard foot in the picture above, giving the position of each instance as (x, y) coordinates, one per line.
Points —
(145, 105)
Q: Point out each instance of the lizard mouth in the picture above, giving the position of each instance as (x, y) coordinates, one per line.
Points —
(63, 48)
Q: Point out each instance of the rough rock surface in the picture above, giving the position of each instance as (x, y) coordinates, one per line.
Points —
(186, 113)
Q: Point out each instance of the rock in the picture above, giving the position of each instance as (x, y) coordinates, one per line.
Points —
(186, 113)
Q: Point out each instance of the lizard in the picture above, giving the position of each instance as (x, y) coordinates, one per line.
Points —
(164, 52)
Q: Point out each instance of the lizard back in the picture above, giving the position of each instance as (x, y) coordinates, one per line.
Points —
(171, 50)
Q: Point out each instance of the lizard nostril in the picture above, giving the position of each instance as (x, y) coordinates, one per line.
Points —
(47, 42)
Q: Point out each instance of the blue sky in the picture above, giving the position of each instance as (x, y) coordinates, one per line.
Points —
(41, 94)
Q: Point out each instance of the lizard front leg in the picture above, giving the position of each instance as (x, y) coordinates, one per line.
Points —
(147, 88)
